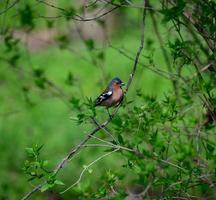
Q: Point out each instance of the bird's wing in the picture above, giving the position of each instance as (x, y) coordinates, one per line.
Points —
(104, 96)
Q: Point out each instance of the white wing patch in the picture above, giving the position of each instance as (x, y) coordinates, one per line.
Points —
(103, 97)
(109, 93)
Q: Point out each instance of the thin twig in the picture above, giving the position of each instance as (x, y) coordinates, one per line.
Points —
(139, 154)
(201, 31)
(105, 130)
(202, 70)
(9, 7)
(130, 5)
(38, 187)
(79, 18)
(164, 74)
(91, 4)
(86, 168)
(164, 52)
(113, 145)
(140, 48)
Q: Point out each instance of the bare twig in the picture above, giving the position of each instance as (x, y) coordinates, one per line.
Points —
(164, 52)
(105, 129)
(92, 56)
(111, 145)
(140, 48)
(9, 7)
(130, 5)
(91, 4)
(202, 70)
(28, 195)
(202, 32)
(79, 18)
(86, 168)
(164, 74)
(138, 153)
(146, 189)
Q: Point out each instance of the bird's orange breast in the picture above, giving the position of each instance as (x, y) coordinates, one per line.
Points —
(116, 96)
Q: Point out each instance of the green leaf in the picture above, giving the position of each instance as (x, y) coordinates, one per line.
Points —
(45, 163)
(26, 16)
(75, 102)
(210, 147)
(70, 79)
(58, 182)
(30, 151)
(130, 164)
(174, 12)
(38, 148)
(40, 83)
(69, 13)
(81, 118)
(45, 187)
(31, 178)
(101, 55)
(117, 121)
(63, 41)
(38, 72)
(120, 139)
(89, 44)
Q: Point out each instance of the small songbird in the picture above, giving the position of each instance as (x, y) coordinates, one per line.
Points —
(112, 95)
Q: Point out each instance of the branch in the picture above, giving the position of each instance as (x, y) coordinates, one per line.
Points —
(38, 187)
(140, 48)
(164, 52)
(160, 39)
(9, 7)
(77, 17)
(201, 70)
(201, 31)
(105, 129)
(75, 149)
(164, 74)
(86, 168)
(129, 5)
(92, 4)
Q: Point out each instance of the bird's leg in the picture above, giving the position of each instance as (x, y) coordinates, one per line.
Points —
(110, 116)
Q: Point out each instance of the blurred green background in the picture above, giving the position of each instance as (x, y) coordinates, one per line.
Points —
(30, 114)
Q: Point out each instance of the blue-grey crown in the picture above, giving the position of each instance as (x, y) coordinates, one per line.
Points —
(117, 80)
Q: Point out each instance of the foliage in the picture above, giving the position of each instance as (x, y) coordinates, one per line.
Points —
(160, 144)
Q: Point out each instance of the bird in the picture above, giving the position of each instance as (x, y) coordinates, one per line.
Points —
(112, 95)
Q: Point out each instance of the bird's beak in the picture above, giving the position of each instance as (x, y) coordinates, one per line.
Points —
(122, 84)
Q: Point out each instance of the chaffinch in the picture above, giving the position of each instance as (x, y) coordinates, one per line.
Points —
(112, 95)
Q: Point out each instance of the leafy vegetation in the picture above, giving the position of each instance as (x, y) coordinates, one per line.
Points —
(56, 57)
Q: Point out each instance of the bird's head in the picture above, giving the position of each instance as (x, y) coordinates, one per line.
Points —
(116, 82)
